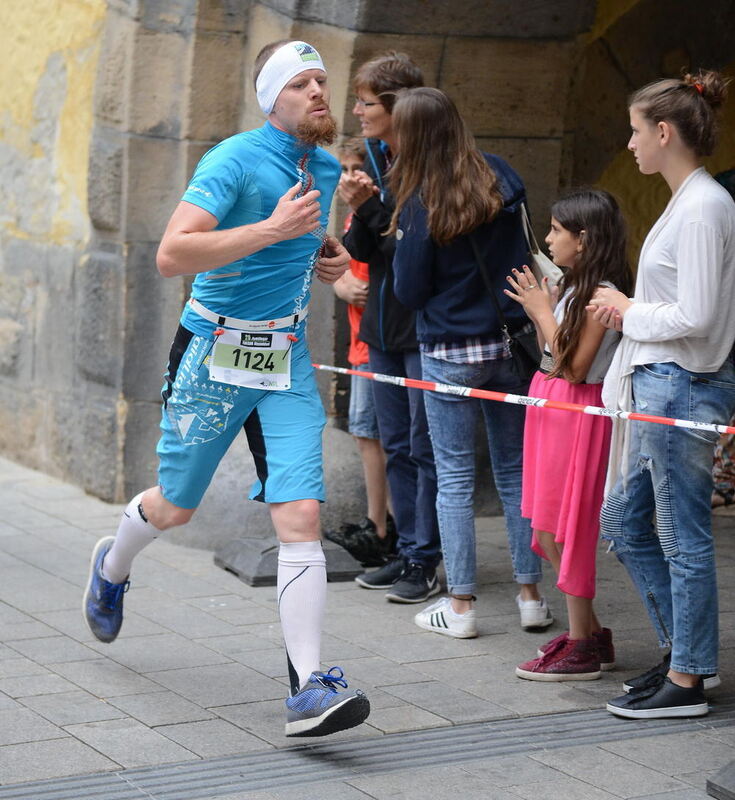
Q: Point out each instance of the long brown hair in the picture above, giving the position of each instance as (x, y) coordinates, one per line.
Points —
(689, 103)
(438, 158)
(595, 215)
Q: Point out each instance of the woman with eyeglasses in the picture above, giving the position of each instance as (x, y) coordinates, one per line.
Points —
(389, 329)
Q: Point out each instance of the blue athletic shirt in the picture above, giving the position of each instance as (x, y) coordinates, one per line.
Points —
(240, 181)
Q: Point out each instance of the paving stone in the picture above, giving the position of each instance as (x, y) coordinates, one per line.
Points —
(35, 761)
(323, 790)
(160, 708)
(158, 652)
(31, 590)
(694, 751)
(105, 678)
(21, 725)
(224, 684)
(172, 581)
(28, 685)
(177, 616)
(441, 783)
(682, 794)
(7, 702)
(405, 718)
(447, 701)
(28, 629)
(235, 609)
(272, 663)
(52, 649)
(69, 708)
(607, 771)
(130, 743)
(235, 644)
(561, 788)
(12, 667)
(512, 770)
(380, 671)
(212, 738)
(428, 647)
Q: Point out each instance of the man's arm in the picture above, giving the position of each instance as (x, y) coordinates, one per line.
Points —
(191, 245)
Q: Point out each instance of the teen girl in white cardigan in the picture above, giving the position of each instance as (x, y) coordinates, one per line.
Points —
(676, 360)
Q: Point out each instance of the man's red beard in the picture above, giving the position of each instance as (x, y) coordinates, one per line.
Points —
(318, 130)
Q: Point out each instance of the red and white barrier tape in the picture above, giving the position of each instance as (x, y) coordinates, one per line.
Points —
(522, 400)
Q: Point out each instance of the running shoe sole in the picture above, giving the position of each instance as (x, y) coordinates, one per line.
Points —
(350, 712)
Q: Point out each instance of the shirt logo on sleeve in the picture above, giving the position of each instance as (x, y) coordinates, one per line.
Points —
(194, 188)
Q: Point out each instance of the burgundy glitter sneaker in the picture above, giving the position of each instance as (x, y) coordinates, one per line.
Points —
(604, 647)
(567, 660)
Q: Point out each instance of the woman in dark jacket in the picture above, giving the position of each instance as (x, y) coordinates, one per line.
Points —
(389, 330)
(447, 194)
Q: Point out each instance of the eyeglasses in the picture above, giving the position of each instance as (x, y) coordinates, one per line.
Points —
(366, 104)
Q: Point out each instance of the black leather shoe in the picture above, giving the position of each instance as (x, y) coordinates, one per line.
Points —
(661, 701)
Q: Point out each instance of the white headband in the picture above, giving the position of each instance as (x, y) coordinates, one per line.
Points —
(287, 62)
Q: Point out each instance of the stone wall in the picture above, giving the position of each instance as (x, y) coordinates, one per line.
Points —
(107, 105)
(47, 74)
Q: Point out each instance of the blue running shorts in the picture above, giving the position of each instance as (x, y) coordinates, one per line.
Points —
(200, 419)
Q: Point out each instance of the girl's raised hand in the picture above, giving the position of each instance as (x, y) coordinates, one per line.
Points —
(526, 291)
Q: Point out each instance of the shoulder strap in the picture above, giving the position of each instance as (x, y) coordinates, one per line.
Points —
(489, 286)
(531, 241)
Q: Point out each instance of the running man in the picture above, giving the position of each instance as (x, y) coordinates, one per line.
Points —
(252, 227)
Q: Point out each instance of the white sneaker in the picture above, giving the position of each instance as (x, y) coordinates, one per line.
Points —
(534, 613)
(440, 617)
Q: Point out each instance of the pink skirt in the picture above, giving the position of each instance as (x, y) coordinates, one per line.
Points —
(564, 467)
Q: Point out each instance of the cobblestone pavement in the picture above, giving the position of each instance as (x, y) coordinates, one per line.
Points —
(188, 702)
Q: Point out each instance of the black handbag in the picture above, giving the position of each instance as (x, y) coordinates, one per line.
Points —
(523, 345)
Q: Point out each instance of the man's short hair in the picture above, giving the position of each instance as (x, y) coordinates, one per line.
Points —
(385, 74)
(264, 54)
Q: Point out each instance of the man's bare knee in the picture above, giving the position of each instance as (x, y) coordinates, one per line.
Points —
(162, 513)
(296, 520)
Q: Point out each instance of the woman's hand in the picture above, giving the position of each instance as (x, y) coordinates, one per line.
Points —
(356, 189)
(609, 307)
(535, 299)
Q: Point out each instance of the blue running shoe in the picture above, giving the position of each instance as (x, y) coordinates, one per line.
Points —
(103, 601)
(319, 709)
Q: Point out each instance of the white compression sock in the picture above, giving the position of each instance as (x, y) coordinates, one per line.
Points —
(133, 534)
(302, 593)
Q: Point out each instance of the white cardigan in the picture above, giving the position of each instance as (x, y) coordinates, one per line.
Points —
(684, 303)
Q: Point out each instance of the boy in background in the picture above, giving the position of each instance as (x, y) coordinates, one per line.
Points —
(371, 540)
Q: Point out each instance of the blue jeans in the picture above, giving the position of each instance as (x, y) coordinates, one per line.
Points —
(409, 460)
(669, 473)
(452, 421)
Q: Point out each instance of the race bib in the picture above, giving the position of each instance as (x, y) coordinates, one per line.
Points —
(252, 359)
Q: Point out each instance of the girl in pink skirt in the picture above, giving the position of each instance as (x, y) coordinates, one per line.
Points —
(564, 453)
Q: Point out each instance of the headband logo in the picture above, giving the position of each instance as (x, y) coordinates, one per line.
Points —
(307, 52)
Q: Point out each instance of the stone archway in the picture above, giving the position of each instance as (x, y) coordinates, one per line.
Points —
(647, 41)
